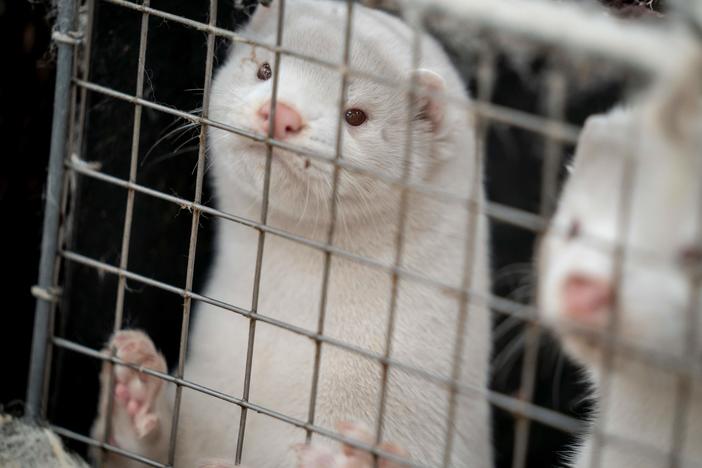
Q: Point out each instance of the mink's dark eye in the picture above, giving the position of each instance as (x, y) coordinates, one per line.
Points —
(573, 230)
(355, 117)
(264, 72)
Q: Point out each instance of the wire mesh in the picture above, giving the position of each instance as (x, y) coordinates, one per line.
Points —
(572, 32)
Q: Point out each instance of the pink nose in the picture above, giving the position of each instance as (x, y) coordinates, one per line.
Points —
(586, 298)
(287, 120)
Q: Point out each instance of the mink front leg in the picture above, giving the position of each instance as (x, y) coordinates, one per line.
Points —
(141, 411)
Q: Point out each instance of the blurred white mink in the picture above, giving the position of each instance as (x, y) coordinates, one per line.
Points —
(659, 139)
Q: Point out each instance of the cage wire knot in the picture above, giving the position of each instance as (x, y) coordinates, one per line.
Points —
(70, 37)
(46, 294)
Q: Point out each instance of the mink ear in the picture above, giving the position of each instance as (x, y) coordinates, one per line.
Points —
(430, 104)
(265, 16)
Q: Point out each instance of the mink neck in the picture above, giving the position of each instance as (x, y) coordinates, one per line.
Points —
(367, 226)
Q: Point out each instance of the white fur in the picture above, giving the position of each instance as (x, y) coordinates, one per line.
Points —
(358, 299)
(661, 141)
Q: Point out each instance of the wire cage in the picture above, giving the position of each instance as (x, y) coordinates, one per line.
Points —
(580, 48)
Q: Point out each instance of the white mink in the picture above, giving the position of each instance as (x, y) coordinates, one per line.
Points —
(659, 139)
(443, 155)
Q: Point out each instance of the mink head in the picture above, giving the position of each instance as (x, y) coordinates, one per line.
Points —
(375, 116)
(624, 244)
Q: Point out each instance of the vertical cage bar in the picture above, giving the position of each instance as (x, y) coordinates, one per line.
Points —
(413, 17)
(192, 248)
(683, 391)
(128, 215)
(683, 397)
(486, 80)
(555, 109)
(70, 132)
(555, 112)
(54, 184)
(332, 218)
(261, 233)
(610, 335)
(75, 145)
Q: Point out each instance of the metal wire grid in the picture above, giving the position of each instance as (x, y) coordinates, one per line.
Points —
(72, 87)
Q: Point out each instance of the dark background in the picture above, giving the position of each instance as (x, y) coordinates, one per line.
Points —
(175, 68)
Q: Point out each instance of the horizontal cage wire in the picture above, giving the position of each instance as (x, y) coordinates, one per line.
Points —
(580, 47)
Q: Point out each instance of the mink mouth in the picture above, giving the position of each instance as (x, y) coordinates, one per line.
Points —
(299, 167)
(580, 334)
